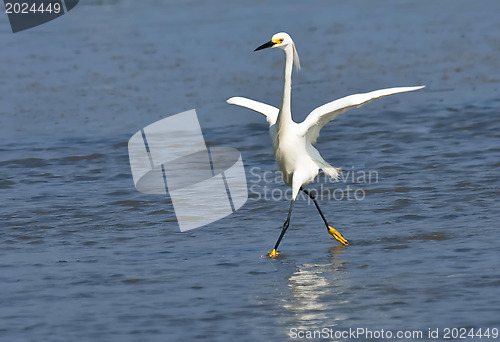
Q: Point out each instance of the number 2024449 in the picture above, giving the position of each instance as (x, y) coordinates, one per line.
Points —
(463, 333)
(26, 8)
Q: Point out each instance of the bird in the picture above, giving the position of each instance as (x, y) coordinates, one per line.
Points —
(292, 142)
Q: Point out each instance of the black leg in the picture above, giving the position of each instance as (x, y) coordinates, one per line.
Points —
(311, 196)
(275, 252)
(332, 231)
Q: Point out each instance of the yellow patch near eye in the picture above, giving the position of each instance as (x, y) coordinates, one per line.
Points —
(278, 41)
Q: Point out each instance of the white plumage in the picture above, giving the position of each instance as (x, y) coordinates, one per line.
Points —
(298, 159)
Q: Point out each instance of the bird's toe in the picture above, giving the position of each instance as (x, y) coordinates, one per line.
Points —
(333, 232)
(273, 254)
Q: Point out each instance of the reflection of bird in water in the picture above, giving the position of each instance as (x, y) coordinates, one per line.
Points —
(293, 142)
(307, 287)
(310, 285)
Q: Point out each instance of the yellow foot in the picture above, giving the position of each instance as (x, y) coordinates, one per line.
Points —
(273, 254)
(333, 232)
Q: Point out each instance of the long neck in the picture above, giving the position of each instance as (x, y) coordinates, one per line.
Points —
(285, 114)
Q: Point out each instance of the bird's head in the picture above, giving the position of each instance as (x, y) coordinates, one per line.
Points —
(279, 40)
(282, 41)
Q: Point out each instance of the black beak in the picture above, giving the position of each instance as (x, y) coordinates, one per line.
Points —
(265, 46)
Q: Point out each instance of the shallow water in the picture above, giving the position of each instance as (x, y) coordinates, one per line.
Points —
(83, 255)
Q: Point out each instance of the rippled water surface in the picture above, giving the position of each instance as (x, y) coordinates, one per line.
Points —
(84, 256)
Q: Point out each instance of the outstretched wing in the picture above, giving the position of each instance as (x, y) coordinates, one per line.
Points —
(270, 112)
(326, 113)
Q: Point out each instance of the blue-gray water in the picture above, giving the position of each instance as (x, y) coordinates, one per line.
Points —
(84, 256)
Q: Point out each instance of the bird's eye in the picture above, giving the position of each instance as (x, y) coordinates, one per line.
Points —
(281, 40)
(278, 40)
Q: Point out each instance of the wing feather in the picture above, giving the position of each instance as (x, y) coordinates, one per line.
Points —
(270, 112)
(326, 113)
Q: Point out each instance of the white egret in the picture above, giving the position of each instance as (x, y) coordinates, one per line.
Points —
(293, 142)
